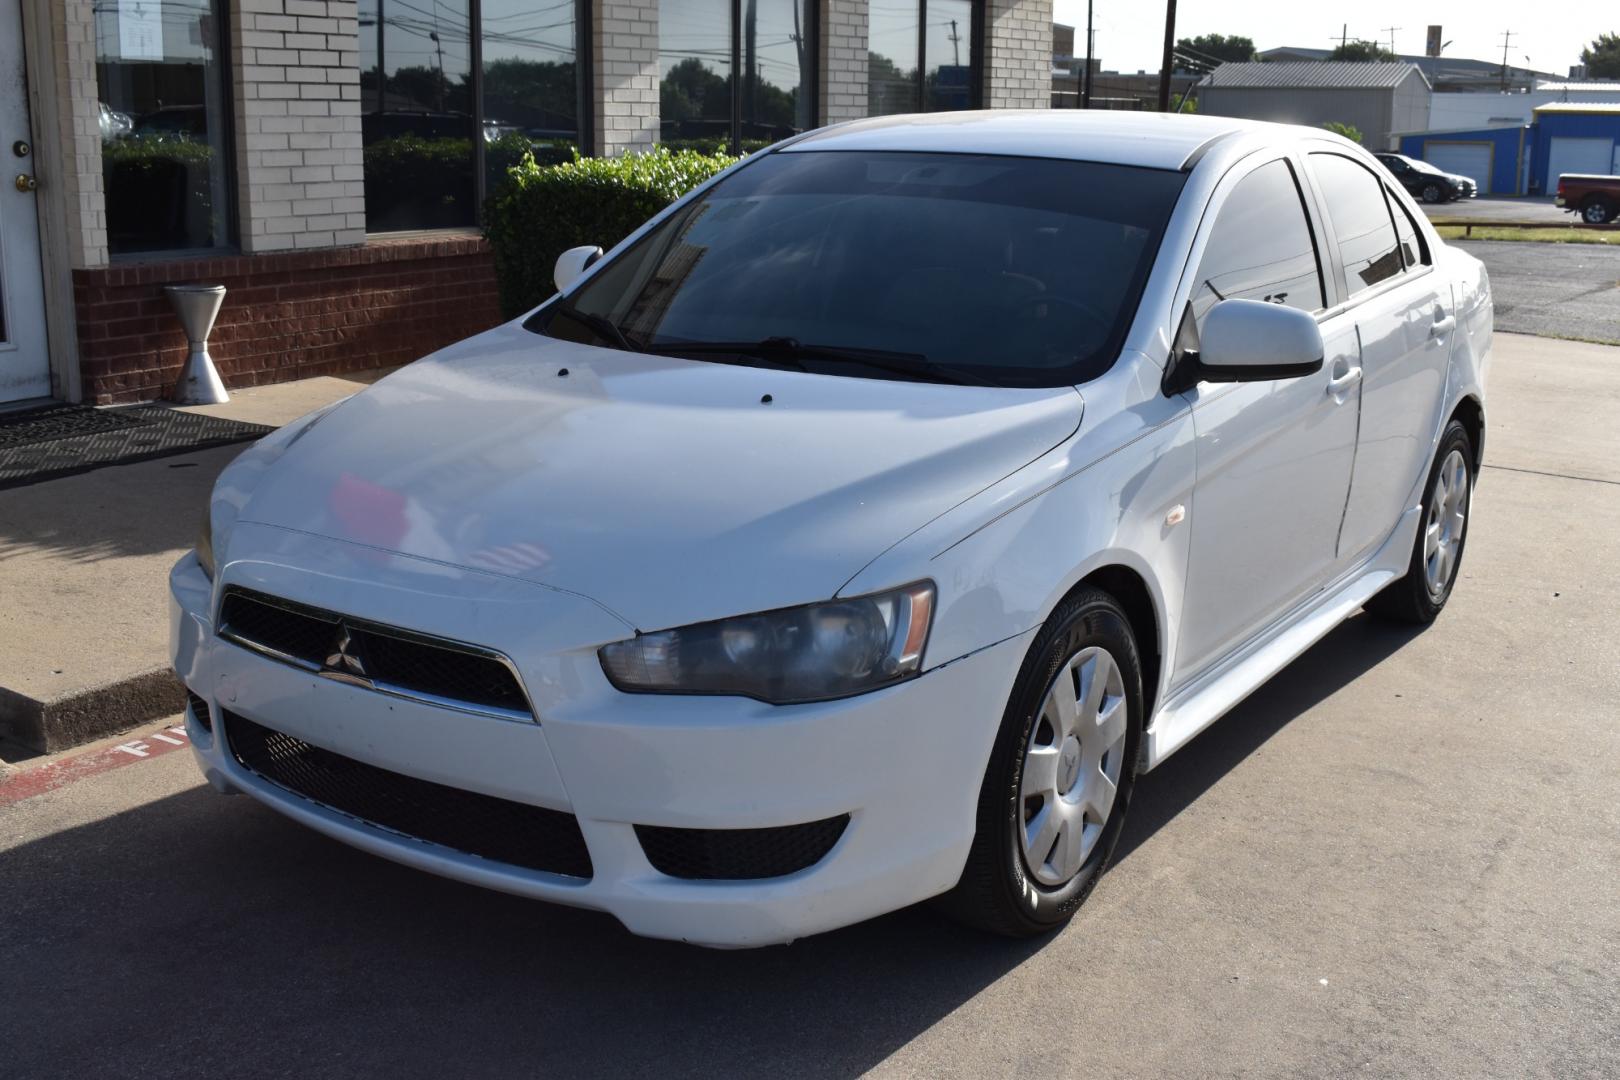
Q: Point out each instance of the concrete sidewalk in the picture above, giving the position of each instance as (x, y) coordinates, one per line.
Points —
(84, 563)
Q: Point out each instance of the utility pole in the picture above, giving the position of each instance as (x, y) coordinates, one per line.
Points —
(1085, 85)
(1344, 36)
(1390, 30)
(1507, 36)
(1166, 65)
(956, 45)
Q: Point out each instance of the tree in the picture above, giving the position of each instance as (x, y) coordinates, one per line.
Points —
(1187, 107)
(1349, 131)
(1212, 47)
(1602, 57)
(1361, 51)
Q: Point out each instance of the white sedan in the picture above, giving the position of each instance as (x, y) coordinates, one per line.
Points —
(858, 531)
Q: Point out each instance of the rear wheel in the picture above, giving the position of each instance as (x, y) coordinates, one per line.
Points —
(1060, 774)
(1437, 554)
(1597, 212)
(1432, 193)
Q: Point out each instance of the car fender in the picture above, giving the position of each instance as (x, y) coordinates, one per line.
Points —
(1114, 495)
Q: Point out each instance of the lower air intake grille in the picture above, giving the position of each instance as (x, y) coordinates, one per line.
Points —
(510, 832)
(739, 854)
(199, 709)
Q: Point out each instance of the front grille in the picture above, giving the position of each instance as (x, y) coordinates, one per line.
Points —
(199, 709)
(394, 660)
(739, 854)
(492, 828)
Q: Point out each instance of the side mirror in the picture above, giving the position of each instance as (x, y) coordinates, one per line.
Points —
(571, 264)
(1249, 341)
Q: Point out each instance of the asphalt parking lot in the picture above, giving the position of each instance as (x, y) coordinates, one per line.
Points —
(1559, 290)
(1538, 209)
(1400, 858)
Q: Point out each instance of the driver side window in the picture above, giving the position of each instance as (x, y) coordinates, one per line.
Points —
(1260, 248)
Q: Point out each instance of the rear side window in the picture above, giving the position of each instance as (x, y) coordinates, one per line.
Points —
(1361, 222)
(1260, 247)
(1414, 252)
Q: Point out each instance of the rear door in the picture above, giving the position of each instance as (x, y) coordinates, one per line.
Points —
(1274, 458)
(1402, 311)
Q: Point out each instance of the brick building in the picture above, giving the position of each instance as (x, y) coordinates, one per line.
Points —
(325, 159)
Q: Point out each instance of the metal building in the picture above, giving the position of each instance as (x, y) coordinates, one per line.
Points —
(1377, 98)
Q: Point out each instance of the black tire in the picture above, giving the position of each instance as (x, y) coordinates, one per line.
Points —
(996, 891)
(1410, 599)
(1432, 193)
(1597, 212)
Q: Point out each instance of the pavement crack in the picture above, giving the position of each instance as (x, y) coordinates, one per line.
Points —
(1559, 475)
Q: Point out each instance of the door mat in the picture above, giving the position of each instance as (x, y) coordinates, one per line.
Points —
(60, 440)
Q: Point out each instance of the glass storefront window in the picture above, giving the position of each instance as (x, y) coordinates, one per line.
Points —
(701, 42)
(949, 72)
(430, 157)
(165, 161)
(532, 88)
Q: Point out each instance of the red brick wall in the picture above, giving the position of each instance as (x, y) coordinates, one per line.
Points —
(286, 316)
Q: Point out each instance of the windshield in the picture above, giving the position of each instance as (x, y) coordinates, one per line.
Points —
(1422, 166)
(972, 268)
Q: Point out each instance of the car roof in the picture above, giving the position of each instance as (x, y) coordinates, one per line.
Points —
(1152, 140)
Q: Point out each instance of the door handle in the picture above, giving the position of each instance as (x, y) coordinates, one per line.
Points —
(1443, 325)
(1341, 383)
(25, 183)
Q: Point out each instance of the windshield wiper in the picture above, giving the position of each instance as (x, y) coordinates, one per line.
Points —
(795, 352)
(601, 326)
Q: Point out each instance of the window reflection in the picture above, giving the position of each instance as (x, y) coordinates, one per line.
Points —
(417, 123)
(950, 64)
(164, 160)
(531, 83)
(948, 78)
(696, 100)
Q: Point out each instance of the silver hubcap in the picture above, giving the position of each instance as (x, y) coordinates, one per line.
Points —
(1071, 766)
(1448, 515)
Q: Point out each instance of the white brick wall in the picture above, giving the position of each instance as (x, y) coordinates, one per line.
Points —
(843, 60)
(295, 69)
(79, 121)
(624, 56)
(1018, 54)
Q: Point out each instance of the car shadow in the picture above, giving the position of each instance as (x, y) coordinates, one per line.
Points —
(1350, 650)
(196, 935)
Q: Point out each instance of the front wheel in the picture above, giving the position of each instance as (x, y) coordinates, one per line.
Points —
(1597, 212)
(1060, 774)
(1432, 193)
(1419, 596)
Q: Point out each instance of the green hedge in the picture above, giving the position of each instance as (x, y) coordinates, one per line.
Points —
(543, 210)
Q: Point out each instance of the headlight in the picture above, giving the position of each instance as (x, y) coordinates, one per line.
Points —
(812, 653)
(205, 543)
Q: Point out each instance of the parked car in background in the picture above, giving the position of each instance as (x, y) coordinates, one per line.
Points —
(1425, 181)
(1595, 198)
(856, 531)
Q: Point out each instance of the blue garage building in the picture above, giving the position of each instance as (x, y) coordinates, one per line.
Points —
(1495, 159)
(1565, 137)
(1574, 138)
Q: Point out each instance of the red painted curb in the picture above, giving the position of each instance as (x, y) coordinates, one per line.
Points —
(28, 782)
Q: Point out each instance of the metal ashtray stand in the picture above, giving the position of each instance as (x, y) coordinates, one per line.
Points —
(198, 306)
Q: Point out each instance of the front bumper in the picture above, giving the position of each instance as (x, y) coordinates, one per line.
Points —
(904, 763)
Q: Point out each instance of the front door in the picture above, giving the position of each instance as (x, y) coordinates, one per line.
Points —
(1274, 458)
(25, 368)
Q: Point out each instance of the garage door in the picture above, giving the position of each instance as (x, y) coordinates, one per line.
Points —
(1577, 156)
(1472, 160)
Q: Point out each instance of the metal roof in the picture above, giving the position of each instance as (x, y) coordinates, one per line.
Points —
(1612, 86)
(1313, 74)
(1602, 107)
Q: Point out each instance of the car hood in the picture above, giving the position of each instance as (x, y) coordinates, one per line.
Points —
(668, 490)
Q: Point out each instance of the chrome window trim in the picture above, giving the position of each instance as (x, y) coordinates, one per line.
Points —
(381, 686)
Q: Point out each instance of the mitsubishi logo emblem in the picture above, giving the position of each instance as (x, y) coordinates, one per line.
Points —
(344, 664)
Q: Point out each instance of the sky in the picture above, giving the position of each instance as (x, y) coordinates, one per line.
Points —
(1130, 33)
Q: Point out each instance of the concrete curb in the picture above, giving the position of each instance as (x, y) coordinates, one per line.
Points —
(90, 713)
